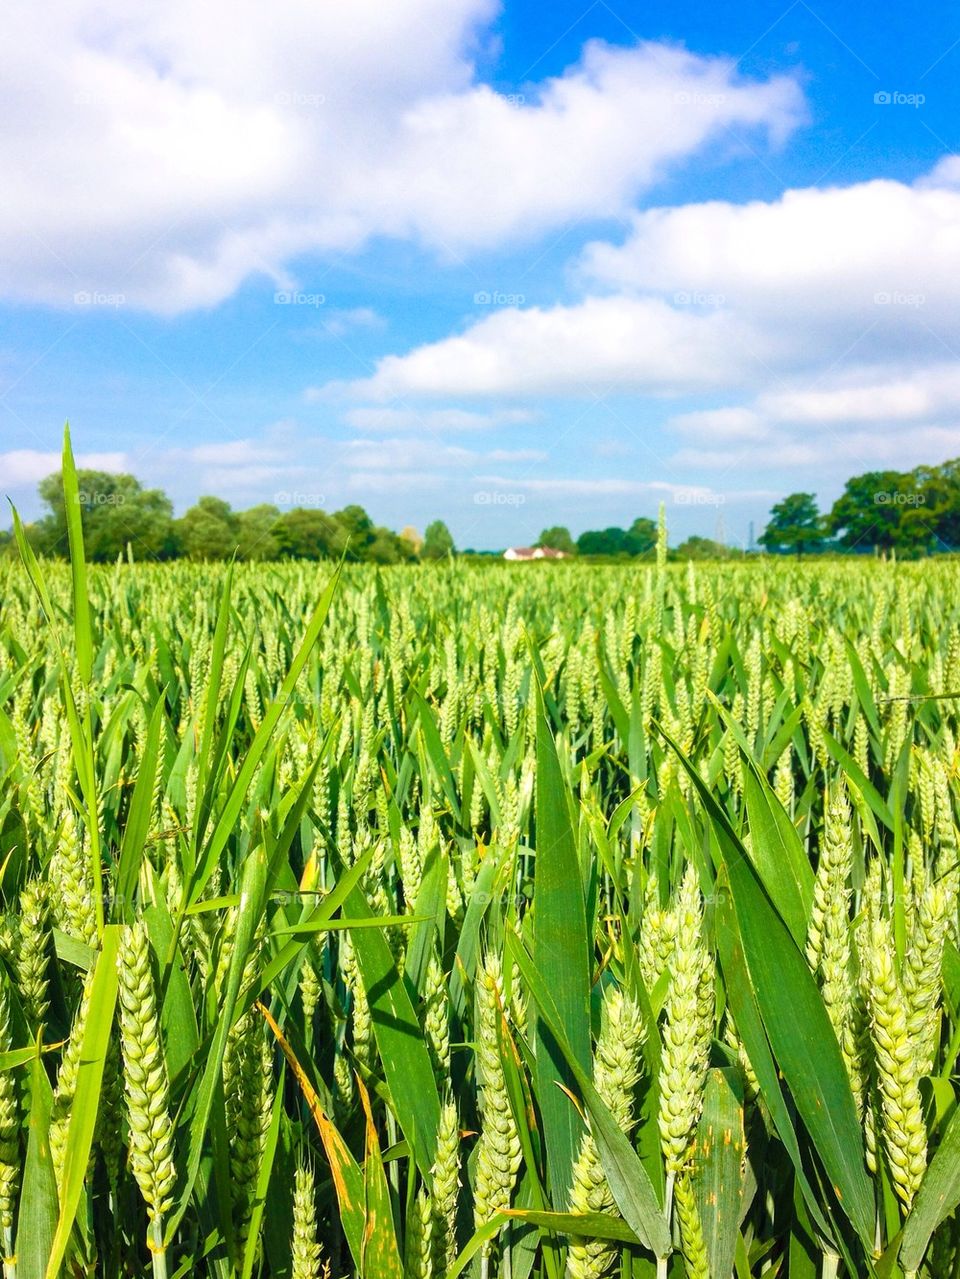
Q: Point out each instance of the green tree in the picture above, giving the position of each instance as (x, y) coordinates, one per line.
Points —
(210, 530)
(641, 536)
(358, 527)
(702, 548)
(795, 525)
(608, 541)
(870, 511)
(437, 541)
(931, 516)
(257, 533)
(558, 539)
(117, 512)
(310, 534)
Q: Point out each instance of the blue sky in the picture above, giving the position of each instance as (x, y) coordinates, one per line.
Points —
(509, 266)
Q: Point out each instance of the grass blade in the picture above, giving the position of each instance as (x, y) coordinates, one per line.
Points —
(86, 1102)
(561, 955)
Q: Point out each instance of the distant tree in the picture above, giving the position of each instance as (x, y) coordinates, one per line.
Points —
(358, 526)
(702, 548)
(210, 530)
(437, 541)
(412, 538)
(557, 539)
(389, 548)
(641, 536)
(795, 525)
(309, 534)
(870, 511)
(116, 511)
(257, 533)
(608, 541)
(931, 519)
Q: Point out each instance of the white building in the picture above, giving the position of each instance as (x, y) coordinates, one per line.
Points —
(533, 553)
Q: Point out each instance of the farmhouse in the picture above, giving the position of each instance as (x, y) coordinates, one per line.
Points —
(533, 553)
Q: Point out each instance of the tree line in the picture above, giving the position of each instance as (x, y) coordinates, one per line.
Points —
(914, 512)
(122, 517)
(119, 513)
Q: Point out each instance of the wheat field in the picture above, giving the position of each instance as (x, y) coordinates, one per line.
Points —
(506, 921)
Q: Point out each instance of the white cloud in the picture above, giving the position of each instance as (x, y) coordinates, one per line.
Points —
(337, 322)
(232, 453)
(825, 318)
(855, 418)
(613, 486)
(881, 252)
(20, 468)
(868, 396)
(622, 343)
(408, 454)
(168, 154)
(517, 455)
(436, 421)
(853, 452)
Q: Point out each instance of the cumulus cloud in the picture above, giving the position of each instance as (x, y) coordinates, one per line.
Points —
(146, 154)
(826, 312)
(600, 344)
(857, 417)
(880, 249)
(436, 421)
(20, 468)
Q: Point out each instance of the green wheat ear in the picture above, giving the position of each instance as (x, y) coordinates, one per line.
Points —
(498, 1151)
(615, 1073)
(692, 1244)
(305, 1250)
(446, 1186)
(904, 1130)
(687, 1029)
(9, 1132)
(145, 1081)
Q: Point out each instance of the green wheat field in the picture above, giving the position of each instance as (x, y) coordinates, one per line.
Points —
(522, 921)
